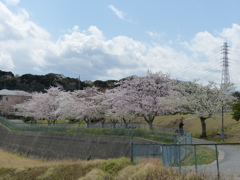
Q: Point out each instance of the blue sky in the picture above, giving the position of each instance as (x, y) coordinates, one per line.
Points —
(114, 39)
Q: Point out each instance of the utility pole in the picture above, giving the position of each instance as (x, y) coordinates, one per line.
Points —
(79, 83)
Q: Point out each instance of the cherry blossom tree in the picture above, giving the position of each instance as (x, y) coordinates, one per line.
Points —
(43, 106)
(66, 106)
(204, 100)
(100, 107)
(116, 108)
(83, 105)
(146, 96)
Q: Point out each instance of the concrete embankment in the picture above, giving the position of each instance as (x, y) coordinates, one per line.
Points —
(65, 146)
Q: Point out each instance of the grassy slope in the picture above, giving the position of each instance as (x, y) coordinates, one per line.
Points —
(16, 167)
(111, 169)
(16, 161)
(193, 124)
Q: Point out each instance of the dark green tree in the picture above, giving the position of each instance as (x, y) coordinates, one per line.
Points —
(237, 94)
(100, 84)
(236, 111)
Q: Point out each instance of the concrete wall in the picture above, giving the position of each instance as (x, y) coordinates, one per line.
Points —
(65, 146)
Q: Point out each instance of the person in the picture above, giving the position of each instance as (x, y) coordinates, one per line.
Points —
(181, 128)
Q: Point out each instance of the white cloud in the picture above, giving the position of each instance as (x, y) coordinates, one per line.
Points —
(155, 35)
(119, 14)
(206, 50)
(6, 61)
(12, 2)
(26, 48)
(96, 32)
(232, 36)
(18, 26)
(204, 42)
(19, 38)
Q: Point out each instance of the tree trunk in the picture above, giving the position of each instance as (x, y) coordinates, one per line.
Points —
(125, 123)
(149, 120)
(102, 120)
(204, 131)
(87, 121)
(150, 125)
(103, 124)
(88, 124)
(49, 122)
(114, 125)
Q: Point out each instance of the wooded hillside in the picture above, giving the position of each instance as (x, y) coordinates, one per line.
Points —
(31, 83)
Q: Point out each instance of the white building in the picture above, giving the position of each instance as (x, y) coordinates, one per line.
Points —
(9, 98)
(7, 95)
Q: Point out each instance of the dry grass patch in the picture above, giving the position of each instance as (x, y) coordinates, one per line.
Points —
(152, 169)
(11, 160)
(96, 174)
(111, 169)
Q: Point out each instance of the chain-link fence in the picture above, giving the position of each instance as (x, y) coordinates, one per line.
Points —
(158, 133)
(171, 154)
(214, 160)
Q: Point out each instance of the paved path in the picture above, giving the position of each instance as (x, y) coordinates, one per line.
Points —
(229, 161)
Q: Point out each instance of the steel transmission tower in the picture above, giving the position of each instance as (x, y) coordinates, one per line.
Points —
(225, 80)
(225, 71)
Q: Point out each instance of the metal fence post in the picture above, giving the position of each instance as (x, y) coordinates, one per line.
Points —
(195, 157)
(175, 139)
(218, 172)
(179, 152)
(131, 146)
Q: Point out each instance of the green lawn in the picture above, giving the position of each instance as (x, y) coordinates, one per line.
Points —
(192, 124)
(204, 155)
(214, 125)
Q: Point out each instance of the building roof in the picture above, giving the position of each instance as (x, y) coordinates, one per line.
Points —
(5, 92)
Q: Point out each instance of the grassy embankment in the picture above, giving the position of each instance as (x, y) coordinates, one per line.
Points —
(192, 124)
(214, 125)
(17, 168)
(14, 167)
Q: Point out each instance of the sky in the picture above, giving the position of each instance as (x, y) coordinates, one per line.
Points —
(110, 40)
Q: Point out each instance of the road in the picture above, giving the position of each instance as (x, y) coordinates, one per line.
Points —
(229, 161)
